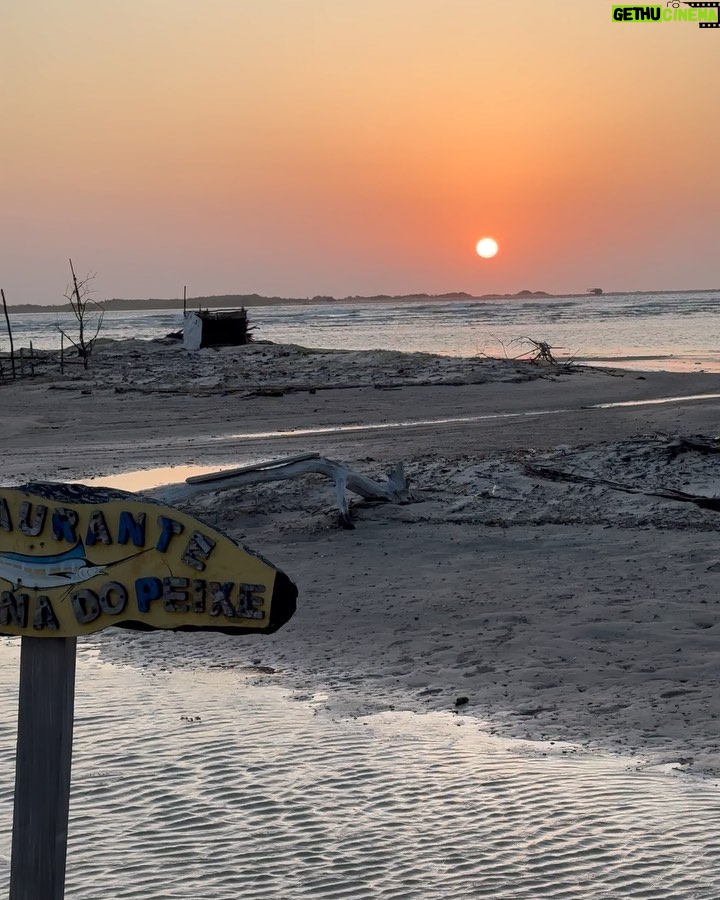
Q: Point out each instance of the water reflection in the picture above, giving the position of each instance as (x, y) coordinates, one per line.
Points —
(138, 480)
(264, 795)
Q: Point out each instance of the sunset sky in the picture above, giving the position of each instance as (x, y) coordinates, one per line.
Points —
(303, 147)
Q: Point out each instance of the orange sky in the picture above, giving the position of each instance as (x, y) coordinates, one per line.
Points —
(302, 147)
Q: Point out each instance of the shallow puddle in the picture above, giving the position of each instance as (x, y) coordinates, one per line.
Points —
(139, 480)
(657, 402)
(206, 782)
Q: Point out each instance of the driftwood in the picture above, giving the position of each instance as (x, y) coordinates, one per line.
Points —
(666, 493)
(230, 473)
(542, 351)
(394, 490)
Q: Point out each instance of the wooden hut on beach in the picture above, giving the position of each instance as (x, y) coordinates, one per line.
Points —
(215, 328)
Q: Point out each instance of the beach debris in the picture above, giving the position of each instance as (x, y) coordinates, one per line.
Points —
(543, 352)
(697, 442)
(161, 367)
(539, 352)
(394, 490)
(554, 474)
(230, 473)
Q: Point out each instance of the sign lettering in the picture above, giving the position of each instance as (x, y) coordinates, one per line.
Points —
(74, 560)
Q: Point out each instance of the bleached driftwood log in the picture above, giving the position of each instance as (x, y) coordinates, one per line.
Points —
(394, 490)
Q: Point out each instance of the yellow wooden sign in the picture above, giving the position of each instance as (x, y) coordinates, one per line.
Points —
(75, 560)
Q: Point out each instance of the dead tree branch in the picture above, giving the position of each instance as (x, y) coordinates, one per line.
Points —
(665, 493)
(88, 313)
(542, 351)
(538, 352)
(505, 349)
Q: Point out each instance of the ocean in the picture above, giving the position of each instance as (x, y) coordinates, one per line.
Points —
(654, 331)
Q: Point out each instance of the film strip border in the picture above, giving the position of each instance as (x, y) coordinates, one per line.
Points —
(715, 4)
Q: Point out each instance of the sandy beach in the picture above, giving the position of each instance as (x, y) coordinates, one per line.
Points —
(563, 610)
(465, 474)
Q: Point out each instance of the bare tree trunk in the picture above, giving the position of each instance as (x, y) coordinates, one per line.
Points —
(80, 315)
(9, 331)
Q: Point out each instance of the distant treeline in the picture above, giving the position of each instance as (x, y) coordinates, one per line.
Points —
(237, 300)
(223, 300)
(233, 301)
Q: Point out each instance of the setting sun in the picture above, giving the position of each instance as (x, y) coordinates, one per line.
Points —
(487, 247)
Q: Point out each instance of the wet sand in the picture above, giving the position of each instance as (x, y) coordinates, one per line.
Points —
(560, 611)
(213, 780)
(145, 404)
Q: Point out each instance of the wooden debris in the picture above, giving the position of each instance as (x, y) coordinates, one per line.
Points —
(542, 352)
(394, 490)
(552, 474)
(229, 473)
(696, 443)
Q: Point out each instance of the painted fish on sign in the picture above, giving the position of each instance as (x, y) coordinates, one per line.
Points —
(75, 560)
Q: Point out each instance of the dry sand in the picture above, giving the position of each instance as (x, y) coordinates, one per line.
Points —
(564, 611)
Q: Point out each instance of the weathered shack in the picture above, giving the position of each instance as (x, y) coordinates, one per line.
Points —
(215, 328)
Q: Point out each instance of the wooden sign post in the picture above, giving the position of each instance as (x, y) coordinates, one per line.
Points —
(42, 768)
(75, 560)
